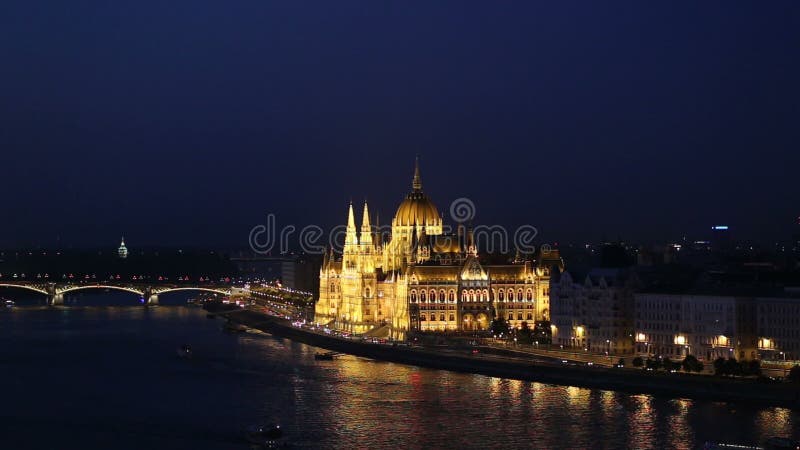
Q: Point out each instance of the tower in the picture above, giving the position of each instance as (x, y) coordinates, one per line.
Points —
(122, 251)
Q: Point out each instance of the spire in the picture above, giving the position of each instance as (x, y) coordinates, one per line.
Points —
(351, 237)
(366, 230)
(351, 218)
(329, 259)
(417, 183)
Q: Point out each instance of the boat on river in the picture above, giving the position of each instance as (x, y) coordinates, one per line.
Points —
(184, 352)
(327, 356)
(266, 436)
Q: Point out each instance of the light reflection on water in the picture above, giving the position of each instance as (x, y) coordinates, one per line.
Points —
(110, 379)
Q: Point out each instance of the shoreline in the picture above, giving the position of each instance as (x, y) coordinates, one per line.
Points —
(622, 380)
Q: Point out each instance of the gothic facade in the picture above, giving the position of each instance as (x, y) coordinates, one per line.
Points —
(422, 279)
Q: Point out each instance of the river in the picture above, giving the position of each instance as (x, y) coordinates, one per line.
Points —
(94, 376)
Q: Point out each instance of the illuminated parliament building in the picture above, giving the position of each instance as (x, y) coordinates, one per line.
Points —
(422, 279)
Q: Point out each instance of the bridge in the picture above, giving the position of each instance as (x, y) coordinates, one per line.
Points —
(55, 291)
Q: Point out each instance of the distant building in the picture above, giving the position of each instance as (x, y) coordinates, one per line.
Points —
(675, 325)
(122, 252)
(745, 327)
(594, 312)
(299, 272)
(779, 326)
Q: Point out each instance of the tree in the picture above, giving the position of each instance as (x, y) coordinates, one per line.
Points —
(691, 364)
(653, 364)
(499, 327)
(752, 367)
(524, 334)
(638, 361)
(794, 374)
(719, 366)
(732, 367)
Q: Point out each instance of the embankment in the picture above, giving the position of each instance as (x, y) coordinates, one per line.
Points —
(624, 380)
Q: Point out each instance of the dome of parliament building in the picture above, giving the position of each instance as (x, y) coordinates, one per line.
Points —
(417, 209)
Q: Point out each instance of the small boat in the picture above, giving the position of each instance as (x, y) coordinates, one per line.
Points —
(328, 356)
(268, 436)
(10, 303)
(185, 352)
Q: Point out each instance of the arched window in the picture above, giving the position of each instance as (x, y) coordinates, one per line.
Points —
(529, 295)
(433, 296)
(422, 296)
(366, 292)
(519, 295)
(510, 295)
(486, 294)
(441, 317)
(452, 296)
(442, 296)
(463, 296)
(422, 318)
(500, 296)
(414, 296)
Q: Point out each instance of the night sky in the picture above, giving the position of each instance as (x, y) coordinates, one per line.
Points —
(186, 122)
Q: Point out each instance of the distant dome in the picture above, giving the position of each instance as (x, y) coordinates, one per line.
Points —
(417, 209)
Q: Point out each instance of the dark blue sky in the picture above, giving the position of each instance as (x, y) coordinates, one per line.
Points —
(186, 122)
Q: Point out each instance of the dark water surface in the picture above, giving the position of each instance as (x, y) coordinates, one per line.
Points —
(109, 378)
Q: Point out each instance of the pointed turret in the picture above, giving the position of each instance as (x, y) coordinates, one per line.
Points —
(416, 185)
(366, 229)
(331, 259)
(351, 237)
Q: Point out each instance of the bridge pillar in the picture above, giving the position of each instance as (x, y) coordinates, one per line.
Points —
(152, 299)
(55, 299)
